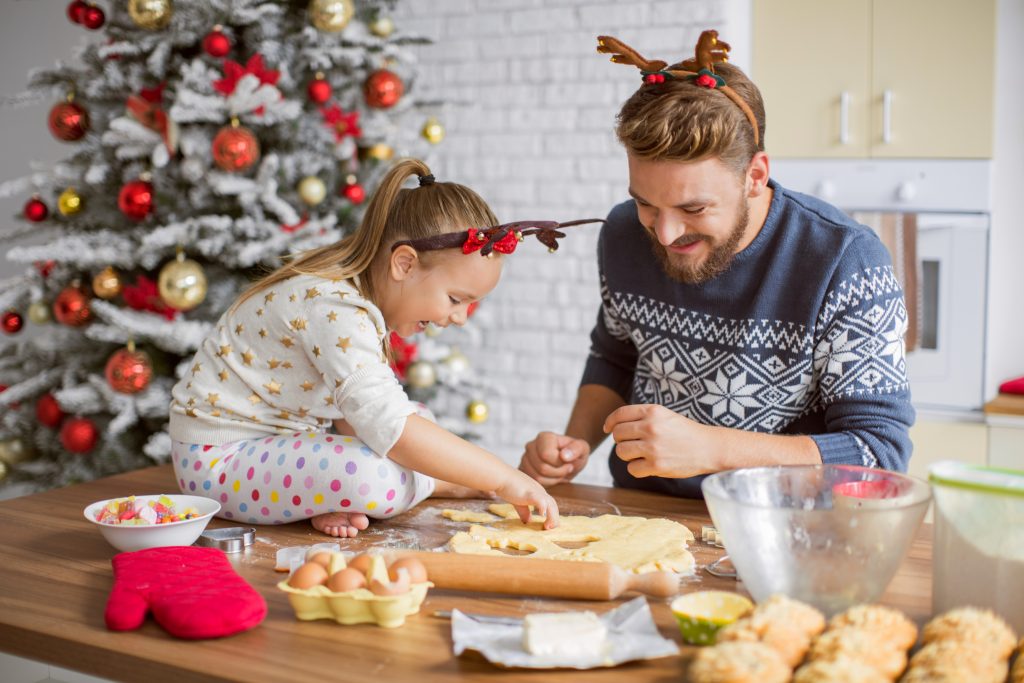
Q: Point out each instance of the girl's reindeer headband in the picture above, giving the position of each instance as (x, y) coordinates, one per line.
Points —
(700, 69)
(501, 238)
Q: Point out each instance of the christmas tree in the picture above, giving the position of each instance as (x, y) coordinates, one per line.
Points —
(207, 139)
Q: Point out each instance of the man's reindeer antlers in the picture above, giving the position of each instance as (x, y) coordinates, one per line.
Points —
(701, 67)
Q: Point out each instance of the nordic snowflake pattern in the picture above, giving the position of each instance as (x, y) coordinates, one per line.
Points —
(761, 375)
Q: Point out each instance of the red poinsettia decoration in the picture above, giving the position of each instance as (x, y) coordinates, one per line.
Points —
(145, 296)
(233, 72)
(147, 109)
(404, 354)
(343, 124)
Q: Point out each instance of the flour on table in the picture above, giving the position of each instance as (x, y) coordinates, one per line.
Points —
(637, 544)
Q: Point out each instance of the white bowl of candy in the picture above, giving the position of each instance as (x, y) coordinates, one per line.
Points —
(139, 522)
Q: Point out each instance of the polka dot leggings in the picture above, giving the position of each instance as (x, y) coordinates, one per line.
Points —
(281, 479)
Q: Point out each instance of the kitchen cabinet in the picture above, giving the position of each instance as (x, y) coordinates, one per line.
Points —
(938, 439)
(876, 78)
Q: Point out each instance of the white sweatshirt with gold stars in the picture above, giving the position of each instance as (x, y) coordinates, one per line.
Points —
(292, 358)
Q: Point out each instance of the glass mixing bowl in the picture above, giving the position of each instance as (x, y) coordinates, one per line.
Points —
(830, 535)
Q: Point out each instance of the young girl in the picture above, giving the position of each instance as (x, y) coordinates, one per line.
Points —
(305, 349)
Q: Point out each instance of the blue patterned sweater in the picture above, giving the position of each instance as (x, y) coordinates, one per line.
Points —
(803, 334)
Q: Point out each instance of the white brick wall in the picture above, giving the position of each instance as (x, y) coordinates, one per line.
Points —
(529, 118)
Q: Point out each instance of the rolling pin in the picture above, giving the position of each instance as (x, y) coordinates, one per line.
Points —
(545, 578)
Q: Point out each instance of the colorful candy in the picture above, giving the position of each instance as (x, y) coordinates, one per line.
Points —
(128, 511)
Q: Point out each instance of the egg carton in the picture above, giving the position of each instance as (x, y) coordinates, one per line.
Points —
(359, 606)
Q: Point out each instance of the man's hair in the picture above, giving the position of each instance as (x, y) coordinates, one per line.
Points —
(679, 120)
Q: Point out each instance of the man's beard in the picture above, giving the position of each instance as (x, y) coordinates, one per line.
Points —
(715, 263)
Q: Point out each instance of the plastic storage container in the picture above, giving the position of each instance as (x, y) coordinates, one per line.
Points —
(979, 539)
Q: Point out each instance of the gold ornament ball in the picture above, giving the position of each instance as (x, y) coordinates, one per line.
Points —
(182, 284)
(382, 27)
(433, 131)
(330, 16)
(380, 152)
(39, 312)
(70, 202)
(421, 375)
(477, 412)
(457, 362)
(3, 471)
(14, 452)
(312, 190)
(107, 283)
(151, 15)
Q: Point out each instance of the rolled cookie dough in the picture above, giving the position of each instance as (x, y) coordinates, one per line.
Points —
(637, 544)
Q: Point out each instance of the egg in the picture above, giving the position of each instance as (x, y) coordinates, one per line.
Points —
(399, 587)
(322, 558)
(417, 572)
(308, 575)
(361, 562)
(348, 579)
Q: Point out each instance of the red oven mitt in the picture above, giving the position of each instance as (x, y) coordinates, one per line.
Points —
(193, 593)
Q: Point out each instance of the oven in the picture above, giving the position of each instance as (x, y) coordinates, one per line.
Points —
(933, 216)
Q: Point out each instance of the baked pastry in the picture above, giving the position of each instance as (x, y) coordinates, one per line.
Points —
(789, 642)
(971, 625)
(738, 662)
(889, 624)
(794, 613)
(841, 669)
(952, 660)
(862, 646)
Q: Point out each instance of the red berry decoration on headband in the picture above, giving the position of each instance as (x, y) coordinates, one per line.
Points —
(654, 78)
(706, 81)
(216, 44)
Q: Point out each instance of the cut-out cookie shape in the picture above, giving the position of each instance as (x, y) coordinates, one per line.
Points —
(637, 544)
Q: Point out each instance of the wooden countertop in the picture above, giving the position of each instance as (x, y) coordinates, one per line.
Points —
(56, 577)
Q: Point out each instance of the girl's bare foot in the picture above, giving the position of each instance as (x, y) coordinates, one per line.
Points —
(446, 489)
(340, 524)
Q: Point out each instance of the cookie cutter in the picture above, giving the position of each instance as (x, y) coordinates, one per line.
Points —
(232, 539)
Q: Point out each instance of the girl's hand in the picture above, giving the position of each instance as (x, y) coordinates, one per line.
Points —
(522, 492)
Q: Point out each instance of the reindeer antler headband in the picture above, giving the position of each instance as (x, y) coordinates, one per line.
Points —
(501, 238)
(701, 68)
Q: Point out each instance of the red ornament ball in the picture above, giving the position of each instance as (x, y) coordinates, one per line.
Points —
(319, 90)
(75, 11)
(136, 199)
(93, 17)
(354, 192)
(216, 44)
(128, 371)
(12, 322)
(68, 121)
(383, 89)
(79, 435)
(35, 210)
(235, 149)
(48, 411)
(71, 307)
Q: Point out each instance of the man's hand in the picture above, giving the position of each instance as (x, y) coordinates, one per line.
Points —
(523, 492)
(554, 458)
(657, 442)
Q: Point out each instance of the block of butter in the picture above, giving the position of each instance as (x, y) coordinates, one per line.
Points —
(565, 634)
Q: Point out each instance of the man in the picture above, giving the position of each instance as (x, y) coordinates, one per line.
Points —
(741, 324)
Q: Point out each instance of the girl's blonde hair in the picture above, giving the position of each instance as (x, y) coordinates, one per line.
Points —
(394, 213)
